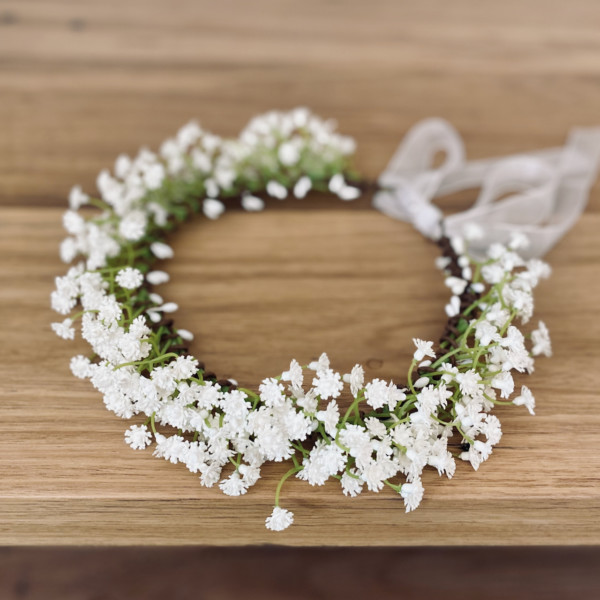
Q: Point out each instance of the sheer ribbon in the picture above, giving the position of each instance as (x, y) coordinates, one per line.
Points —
(540, 194)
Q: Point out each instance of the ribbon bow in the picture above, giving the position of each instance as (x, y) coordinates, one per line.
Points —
(540, 194)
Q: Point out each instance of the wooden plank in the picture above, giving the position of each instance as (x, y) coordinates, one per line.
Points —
(81, 82)
(293, 283)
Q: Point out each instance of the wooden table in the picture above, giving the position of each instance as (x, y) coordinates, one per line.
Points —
(82, 82)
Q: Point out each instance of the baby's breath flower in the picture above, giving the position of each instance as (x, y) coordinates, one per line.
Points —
(138, 437)
(486, 333)
(493, 273)
(68, 249)
(412, 494)
(123, 166)
(64, 329)
(469, 382)
(541, 340)
(77, 198)
(320, 365)
(308, 402)
(376, 393)
(497, 315)
(129, 278)
(324, 461)
(449, 372)
(330, 418)
(250, 474)
(288, 154)
(81, 366)
(294, 374)
(379, 393)
(424, 349)
(279, 519)
(351, 484)
(271, 392)
(375, 427)
(133, 225)
(234, 485)
(154, 176)
(526, 399)
(356, 379)
(73, 223)
(328, 384)
(505, 383)
(210, 474)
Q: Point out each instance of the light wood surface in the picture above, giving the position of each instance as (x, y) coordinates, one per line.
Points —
(81, 82)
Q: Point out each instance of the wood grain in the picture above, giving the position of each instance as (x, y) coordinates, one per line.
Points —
(81, 82)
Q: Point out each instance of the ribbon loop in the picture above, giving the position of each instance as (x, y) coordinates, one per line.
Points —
(416, 153)
(410, 181)
(540, 194)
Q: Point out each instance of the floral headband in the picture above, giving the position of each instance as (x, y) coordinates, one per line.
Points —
(387, 432)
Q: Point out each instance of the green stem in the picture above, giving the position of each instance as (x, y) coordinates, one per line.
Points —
(354, 405)
(98, 204)
(139, 363)
(282, 481)
(410, 381)
(465, 436)
(446, 356)
(499, 402)
(396, 488)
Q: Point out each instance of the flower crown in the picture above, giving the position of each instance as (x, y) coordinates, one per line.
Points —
(390, 431)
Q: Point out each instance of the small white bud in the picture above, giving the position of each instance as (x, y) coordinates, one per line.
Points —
(213, 208)
(349, 192)
(161, 250)
(275, 189)
(157, 277)
(252, 203)
(302, 187)
(336, 183)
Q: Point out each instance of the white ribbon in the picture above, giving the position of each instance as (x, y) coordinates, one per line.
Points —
(540, 194)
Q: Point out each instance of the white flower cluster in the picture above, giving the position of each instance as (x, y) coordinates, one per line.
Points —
(363, 433)
(277, 151)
